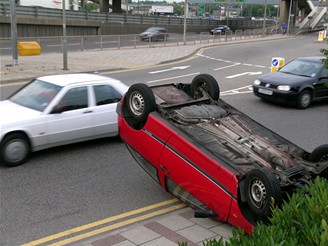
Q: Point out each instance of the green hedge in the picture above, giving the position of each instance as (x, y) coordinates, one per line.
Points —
(303, 220)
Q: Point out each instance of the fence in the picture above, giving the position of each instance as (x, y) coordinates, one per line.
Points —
(100, 42)
(40, 12)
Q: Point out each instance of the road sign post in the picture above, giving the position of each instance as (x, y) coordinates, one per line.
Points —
(277, 63)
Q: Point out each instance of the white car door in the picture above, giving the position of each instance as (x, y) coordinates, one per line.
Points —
(104, 118)
(72, 121)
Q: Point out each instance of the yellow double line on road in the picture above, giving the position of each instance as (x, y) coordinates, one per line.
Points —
(107, 220)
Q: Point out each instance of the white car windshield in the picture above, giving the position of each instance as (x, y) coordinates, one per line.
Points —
(36, 95)
(302, 68)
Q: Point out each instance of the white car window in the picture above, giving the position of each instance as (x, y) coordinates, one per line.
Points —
(106, 94)
(36, 95)
(75, 98)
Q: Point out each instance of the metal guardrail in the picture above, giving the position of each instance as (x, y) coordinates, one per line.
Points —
(40, 12)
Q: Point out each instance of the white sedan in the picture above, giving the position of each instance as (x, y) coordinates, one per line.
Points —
(56, 110)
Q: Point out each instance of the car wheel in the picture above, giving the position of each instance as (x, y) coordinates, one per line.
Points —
(15, 150)
(304, 99)
(139, 102)
(320, 153)
(261, 186)
(206, 82)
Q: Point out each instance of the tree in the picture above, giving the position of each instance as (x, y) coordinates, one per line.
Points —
(90, 6)
(257, 10)
(178, 8)
(325, 53)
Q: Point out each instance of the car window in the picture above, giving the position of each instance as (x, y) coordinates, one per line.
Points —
(106, 94)
(302, 67)
(36, 95)
(75, 98)
(324, 72)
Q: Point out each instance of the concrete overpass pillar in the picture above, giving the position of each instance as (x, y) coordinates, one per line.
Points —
(284, 11)
(302, 13)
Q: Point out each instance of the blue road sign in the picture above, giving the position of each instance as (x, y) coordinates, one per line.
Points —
(275, 62)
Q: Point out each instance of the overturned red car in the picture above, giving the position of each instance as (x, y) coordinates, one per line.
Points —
(213, 157)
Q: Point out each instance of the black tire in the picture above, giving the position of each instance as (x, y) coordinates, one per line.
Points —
(304, 99)
(138, 103)
(320, 153)
(15, 150)
(261, 187)
(208, 83)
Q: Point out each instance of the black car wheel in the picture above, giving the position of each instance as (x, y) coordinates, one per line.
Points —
(206, 82)
(319, 154)
(15, 150)
(139, 102)
(304, 99)
(261, 187)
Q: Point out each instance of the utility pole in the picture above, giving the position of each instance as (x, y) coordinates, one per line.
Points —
(185, 21)
(265, 13)
(289, 15)
(13, 24)
(65, 66)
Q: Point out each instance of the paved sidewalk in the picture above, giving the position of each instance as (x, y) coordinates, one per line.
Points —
(166, 230)
(103, 60)
(171, 228)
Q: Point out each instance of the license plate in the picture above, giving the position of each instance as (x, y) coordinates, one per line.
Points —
(266, 92)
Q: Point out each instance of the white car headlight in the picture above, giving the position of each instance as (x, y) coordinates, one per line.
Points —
(283, 87)
(257, 82)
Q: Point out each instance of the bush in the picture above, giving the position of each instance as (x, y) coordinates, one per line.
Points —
(325, 53)
(303, 220)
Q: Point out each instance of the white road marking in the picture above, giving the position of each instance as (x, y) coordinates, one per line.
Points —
(242, 74)
(159, 80)
(241, 90)
(236, 64)
(226, 61)
(169, 69)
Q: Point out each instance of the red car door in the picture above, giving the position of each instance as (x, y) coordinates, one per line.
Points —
(198, 175)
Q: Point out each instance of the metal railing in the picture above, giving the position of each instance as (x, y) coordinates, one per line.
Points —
(101, 42)
(40, 12)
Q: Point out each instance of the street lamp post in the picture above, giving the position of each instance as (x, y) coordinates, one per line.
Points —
(185, 21)
(265, 13)
(13, 24)
(289, 15)
(65, 66)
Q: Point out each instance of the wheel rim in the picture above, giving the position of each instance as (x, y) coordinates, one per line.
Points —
(15, 151)
(201, 85)
(324, 157)
(137, 103)
(258, 193)
(305, 100)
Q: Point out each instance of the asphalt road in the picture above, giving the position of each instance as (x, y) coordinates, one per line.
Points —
(69, 186)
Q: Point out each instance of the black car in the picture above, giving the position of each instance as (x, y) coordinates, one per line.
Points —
(220, 30)
(154, 34)
(299, 83)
